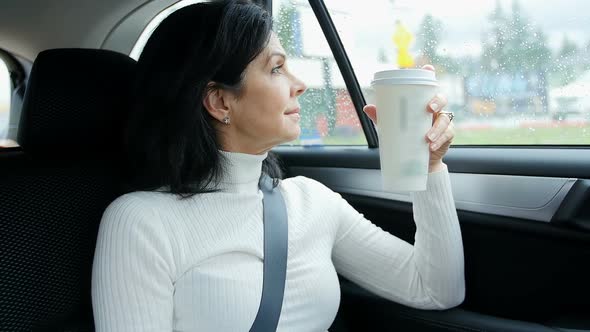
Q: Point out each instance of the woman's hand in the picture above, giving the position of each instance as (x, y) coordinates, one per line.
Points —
(440, 136)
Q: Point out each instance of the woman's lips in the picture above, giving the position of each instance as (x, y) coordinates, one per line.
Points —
(294, 111)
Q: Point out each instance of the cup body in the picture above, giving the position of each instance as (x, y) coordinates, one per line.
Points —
(402, 97)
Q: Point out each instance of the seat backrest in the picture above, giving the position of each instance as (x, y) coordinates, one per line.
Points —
(54, 191)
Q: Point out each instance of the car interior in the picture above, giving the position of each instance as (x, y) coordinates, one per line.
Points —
(524, 210)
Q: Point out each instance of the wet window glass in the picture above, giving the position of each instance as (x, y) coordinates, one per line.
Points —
(515, 72)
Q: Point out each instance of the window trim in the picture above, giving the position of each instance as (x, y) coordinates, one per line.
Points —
(525, 160)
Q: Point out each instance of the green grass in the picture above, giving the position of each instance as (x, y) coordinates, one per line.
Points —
(524, 136)
(351, 140)
(498, 136)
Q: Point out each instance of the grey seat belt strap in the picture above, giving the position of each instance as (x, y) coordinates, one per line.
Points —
(275, 257)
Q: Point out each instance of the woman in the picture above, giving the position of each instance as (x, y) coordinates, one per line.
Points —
(184, 251)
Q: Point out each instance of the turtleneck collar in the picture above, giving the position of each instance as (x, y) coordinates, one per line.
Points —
(240, 171)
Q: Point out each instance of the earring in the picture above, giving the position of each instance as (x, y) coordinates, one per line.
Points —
(226, 120)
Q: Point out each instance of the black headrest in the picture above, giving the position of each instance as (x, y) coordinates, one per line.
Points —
(76, 102)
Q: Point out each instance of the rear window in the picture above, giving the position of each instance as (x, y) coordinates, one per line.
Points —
(5, 92)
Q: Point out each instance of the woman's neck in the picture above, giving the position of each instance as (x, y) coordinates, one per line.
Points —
(241, 171)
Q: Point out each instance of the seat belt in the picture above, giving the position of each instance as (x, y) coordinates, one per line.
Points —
(275, 257)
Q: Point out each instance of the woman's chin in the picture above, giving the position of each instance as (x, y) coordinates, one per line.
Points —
(292, 134)
(296, 133)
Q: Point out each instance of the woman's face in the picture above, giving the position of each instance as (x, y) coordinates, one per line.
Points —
(267, 111)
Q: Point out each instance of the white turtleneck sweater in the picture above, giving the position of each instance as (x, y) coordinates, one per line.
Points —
(165, 264)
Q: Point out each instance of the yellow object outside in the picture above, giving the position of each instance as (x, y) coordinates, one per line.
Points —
(402, 38)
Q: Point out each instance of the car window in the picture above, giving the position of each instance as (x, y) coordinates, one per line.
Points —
(5, 92)
(515, 72)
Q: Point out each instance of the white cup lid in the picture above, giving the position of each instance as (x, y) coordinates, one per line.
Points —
(405, 76)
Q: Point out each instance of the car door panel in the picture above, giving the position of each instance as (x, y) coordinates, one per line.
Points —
(524, 270)
(533, 198)
(386, 316)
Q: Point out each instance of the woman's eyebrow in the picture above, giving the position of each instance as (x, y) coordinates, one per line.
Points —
(281, 54)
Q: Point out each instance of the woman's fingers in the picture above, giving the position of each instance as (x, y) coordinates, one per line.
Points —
(440, 126)
(371, 111)
(437, 103)
(428, 67)
(446, 136)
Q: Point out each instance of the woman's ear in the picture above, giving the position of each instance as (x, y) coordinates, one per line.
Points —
(216, 103)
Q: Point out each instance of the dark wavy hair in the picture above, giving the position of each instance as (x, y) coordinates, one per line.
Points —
(171, 140)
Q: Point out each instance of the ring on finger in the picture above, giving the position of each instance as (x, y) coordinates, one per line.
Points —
(449, 114)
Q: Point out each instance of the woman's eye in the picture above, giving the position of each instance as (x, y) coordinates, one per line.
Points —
(276, 70)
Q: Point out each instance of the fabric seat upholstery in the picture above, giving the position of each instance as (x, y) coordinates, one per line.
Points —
(54, 191)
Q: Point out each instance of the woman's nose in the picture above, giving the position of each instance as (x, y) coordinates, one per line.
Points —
(298, 87)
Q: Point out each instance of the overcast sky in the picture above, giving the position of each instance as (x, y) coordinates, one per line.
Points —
(369, 23)
(463, 19)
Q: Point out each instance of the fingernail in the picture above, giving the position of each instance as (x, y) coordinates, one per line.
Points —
(432, 136)
(433, 147)
(434, 106)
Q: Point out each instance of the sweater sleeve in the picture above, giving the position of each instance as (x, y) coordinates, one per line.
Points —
(132, 286)
(427, 275)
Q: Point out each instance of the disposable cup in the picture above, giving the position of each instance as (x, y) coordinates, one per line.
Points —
(402, 97)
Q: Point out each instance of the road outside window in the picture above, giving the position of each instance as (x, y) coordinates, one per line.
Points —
(515, 72)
